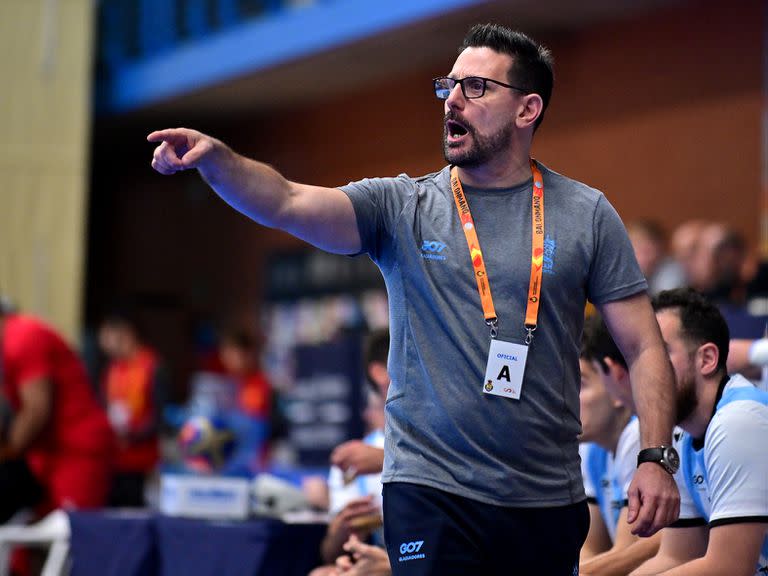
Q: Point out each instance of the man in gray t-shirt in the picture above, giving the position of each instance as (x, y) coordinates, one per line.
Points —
(488, 265)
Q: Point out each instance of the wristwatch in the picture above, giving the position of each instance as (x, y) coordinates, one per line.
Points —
(666, 456)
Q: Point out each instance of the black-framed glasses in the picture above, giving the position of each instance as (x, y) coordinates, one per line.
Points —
(471, 86)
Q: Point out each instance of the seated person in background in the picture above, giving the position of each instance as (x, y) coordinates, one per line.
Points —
(723, 524)
(723, 270)
(239, 351)
(608, 422)
(56, 451)
(134, 388)
(358, 456)
(355, 490)
(649, 245)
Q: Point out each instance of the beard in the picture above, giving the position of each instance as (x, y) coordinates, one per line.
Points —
(482, 148)
(686, 398)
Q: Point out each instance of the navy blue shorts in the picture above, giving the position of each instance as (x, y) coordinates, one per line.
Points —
(431, 532)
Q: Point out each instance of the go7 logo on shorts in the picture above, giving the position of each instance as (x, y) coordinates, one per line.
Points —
(411, 547)
(410, 551)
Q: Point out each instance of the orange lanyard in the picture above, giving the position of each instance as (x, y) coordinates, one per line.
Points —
(476, 254)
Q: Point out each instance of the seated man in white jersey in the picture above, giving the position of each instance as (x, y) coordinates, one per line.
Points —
(609, 457)
(355, 499)
(723, 524)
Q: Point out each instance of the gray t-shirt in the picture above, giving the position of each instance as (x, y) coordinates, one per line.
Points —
(441, 430)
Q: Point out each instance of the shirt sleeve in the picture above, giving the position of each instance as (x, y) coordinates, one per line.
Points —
(377, 203)
(737, 467)
(615, 273)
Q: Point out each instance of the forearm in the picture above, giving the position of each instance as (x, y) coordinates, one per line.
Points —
(24, 430)
(656, 565)
(253, 188)
(706, 567)
(622, 561)
(653, 391)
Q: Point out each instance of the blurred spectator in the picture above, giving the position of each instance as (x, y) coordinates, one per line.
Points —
(239, 353)
(56, 450)
(725, 271)
(718, 262)
(134, 389)
(649, 244)
(684, 245)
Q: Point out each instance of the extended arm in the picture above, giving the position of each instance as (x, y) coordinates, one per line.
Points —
(324, 217)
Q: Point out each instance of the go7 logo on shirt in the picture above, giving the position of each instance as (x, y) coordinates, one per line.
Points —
(432, 246)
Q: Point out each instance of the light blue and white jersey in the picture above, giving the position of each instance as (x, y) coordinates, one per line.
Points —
(726, 480)
(607, 476)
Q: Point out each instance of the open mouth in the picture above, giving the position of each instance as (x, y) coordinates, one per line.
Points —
(455, 130)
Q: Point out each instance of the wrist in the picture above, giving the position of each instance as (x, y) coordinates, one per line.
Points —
(664, 456)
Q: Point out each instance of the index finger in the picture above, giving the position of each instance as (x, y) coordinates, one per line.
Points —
(167, 135)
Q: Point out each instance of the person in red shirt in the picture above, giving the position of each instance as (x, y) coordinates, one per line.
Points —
(56, 449)
(133, 388)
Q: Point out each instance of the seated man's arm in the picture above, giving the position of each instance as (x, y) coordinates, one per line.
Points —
(598, 540)
(626, 554)
(678, 546)
(355, 457)
(734, 549)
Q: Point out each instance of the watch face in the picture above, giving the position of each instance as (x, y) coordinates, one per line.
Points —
(671, 458)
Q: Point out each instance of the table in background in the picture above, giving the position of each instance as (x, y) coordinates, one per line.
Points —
(123, 543)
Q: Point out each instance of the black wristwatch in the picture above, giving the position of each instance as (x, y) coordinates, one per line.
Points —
(666, 456)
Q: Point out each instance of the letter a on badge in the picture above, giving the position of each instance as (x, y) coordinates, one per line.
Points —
(505, 368)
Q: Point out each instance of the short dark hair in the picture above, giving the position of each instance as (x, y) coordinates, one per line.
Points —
(124, 315)
(700, 320)
(376, 349)
(598, 344)
(532, 67)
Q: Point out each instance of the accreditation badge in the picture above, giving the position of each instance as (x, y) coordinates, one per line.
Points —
(505, 369)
